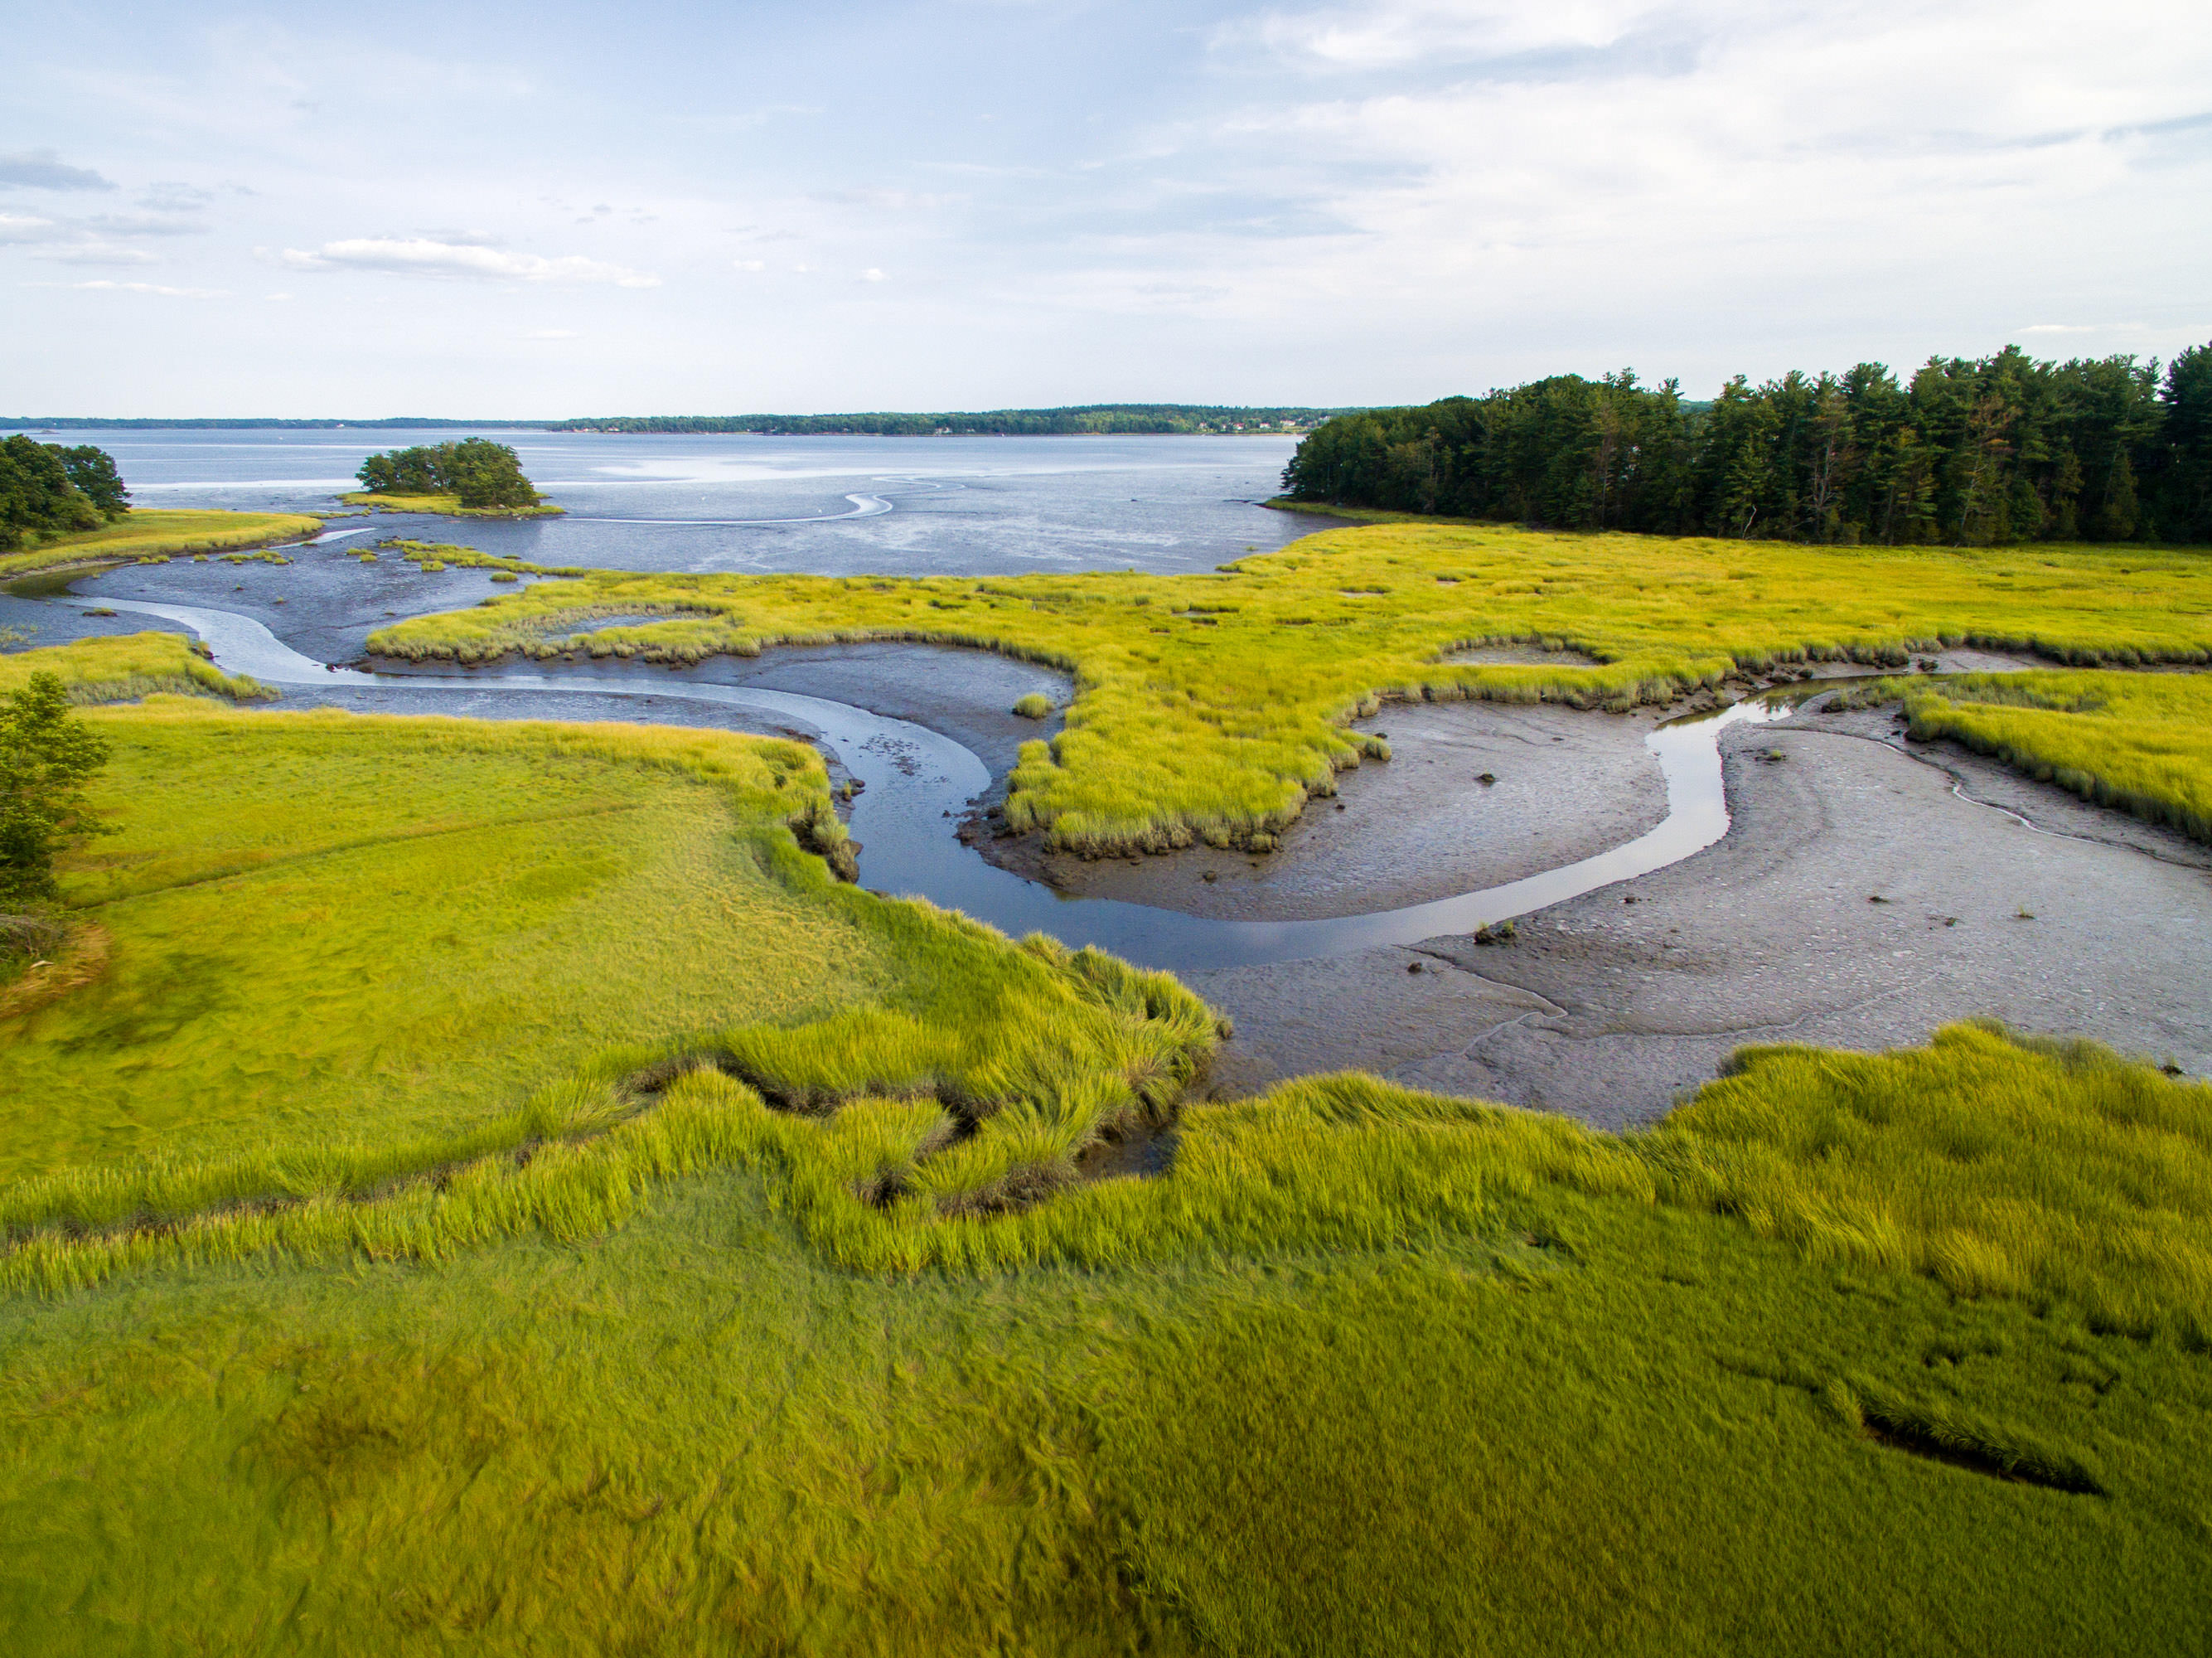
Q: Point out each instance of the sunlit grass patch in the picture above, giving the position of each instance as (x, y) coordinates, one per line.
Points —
(457, 913)
(118, 668)
(447, 506)
(2141, 743)
(2052, 1171)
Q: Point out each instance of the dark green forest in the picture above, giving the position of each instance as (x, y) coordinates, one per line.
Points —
(483, 474)
(2004, 449)
(1091, 419)
(48, 489)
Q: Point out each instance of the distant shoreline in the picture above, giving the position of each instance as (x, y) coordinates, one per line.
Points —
(1088, 420)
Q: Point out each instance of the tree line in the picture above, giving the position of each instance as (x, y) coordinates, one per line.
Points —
(259, 424)
(483, 474)
(47, 489)
(2004, 448)
(1091, 419)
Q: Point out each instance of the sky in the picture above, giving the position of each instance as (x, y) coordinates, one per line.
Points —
(560, 210)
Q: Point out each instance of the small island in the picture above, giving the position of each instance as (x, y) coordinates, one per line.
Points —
(475, 478)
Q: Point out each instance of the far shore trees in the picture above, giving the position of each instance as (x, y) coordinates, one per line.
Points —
(1968, 452)
(483, 474)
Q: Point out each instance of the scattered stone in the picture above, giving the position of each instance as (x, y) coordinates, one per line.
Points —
(1486, 779)
(1211, 875)
(1412, 966)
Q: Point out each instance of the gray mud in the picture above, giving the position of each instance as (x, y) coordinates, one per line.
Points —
(1420, 825)
(1609, 1010)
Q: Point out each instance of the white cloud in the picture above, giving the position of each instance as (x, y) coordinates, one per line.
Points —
(93, 252)
(1394, 33)
(276, 296)
(748, 264)
(19, 228)
(420, 256)
(2081, 328)
(873, 275)
(552, 333)
(42, 169)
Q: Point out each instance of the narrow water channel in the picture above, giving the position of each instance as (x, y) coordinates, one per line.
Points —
(920, 783)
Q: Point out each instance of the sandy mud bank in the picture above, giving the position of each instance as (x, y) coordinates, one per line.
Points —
(1863, 897)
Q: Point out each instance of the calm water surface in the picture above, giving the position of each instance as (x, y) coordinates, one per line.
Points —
(981, 506)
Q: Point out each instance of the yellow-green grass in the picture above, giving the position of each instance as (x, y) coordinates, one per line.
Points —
(447, 506)
(504, 1197)
(1368, 1371)
(1214, 706)
(433, 556)
(2139, 742)
(462, 914)
(121, 667)
(149, 533)
(457, 912)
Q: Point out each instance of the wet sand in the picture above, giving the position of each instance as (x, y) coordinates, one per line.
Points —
(1608, 1010)
(1420, 825)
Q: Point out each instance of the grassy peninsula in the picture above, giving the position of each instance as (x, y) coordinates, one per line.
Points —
(126, 668)
(1213, 707)
(152, 533)
(607, 1230)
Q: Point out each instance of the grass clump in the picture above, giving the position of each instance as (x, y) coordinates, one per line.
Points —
(2141, 743)
(1034, 706)
(446, 506)
(2057, 1172)
(120, 667)
(1212, 707)
(157, 534)
(440, 555)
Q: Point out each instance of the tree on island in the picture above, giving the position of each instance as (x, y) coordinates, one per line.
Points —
(47, 489)
(482, 473)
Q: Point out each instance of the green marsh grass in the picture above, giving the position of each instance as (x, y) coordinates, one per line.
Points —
(503, 1195)
(447, 506)
(1368, 1371)
(1213, 707)
(151, 534)
(128, 667)
(2141, 743)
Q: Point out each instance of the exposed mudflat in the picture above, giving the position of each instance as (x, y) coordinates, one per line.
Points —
(1607, 1009)
(1421, 825)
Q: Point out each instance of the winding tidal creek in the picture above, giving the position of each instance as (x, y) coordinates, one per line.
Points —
(919, 783)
